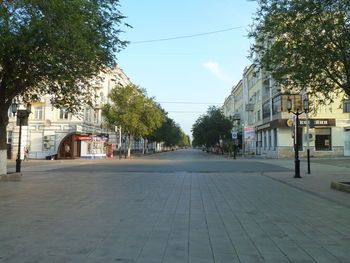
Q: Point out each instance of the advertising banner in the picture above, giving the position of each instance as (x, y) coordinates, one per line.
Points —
(249, 133)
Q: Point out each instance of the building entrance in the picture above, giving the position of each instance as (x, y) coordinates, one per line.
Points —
(69, 148)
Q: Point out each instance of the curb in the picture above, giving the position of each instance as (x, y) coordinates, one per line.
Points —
(305, 190)
(10, 177)
(341, 186)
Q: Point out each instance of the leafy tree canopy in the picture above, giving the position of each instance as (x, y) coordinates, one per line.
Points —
(54, 47)
(211, 127)
(304, 43)
(133, 110)
(170, 133)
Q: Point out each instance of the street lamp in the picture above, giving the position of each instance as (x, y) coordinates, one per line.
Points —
(22, 119)
(296, 135)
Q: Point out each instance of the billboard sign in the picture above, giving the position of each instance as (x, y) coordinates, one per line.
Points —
(249, 133)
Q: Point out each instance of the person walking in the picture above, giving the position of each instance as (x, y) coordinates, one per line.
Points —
(26, 154)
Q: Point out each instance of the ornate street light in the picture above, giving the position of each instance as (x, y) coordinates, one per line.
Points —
(22, 119)
(296, 135)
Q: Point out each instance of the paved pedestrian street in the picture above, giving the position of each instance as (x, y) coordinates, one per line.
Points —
(174, 207)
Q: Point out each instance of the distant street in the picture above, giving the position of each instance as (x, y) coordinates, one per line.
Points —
(174, 207)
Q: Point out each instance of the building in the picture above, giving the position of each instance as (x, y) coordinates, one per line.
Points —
(56, 133)
(233, 107)
(268, 128)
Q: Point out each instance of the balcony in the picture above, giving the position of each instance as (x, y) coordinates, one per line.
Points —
(249, 107)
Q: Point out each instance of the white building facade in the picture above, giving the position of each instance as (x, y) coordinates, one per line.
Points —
(56, 133)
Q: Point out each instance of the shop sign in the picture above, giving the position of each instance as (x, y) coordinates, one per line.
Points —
(281, 123)
(90, 138)
(83, 138)
(318, 122)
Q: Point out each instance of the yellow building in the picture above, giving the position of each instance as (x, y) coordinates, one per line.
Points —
(268, 128)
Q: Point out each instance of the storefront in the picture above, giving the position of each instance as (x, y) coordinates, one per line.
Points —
(93, 147)
(276, 138)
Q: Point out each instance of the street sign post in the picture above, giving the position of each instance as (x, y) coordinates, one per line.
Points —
(234, 135)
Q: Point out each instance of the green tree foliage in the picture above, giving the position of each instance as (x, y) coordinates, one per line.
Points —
(211, 127)
(185, 140)
(131, 109)
(54, 47)
(304, 43)
(169, 132)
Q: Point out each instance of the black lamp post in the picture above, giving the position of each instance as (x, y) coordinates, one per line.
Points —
(22, 119)
(296, 139)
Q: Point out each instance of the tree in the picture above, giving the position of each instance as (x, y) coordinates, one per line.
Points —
(211, 127)
(169, 132)
(56, 48)
(185, 140)
(304, 43)
(131, 109)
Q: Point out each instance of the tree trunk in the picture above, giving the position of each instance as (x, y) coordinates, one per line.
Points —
(3, 142)
(129, 145)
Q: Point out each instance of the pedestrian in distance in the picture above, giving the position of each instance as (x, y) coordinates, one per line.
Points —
(26, 154)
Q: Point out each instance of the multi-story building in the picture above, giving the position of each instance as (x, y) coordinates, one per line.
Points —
(233, 107)
(53, 132)
(268, 128)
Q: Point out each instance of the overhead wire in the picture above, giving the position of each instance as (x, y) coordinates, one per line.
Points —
(186, 36)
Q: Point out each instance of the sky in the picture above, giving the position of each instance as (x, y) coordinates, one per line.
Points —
(186, 75)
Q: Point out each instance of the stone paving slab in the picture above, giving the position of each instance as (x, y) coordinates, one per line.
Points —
(99, 216)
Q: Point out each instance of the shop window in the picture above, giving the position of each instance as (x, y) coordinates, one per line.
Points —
(275, 139)
(269, 134)
(323, 139)
(346, 106)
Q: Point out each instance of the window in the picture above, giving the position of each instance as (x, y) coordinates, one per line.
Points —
(9, 113)
(276, 105)
(9, 137)
(269, 134)
(96, 116)
(297, 102)
(63, 113)
(323, 139)
(275, 139)
(259, 115)
(266, 110)
(38, 112)
(346, 106)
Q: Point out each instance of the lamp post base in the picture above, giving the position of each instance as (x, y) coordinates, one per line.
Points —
(18, 165)
(308, 161)
(297, 169)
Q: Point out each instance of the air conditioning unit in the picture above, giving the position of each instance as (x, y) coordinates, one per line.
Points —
(46, 146)
(46, 138)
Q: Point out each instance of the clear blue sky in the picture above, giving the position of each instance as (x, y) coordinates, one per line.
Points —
(201, 69)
